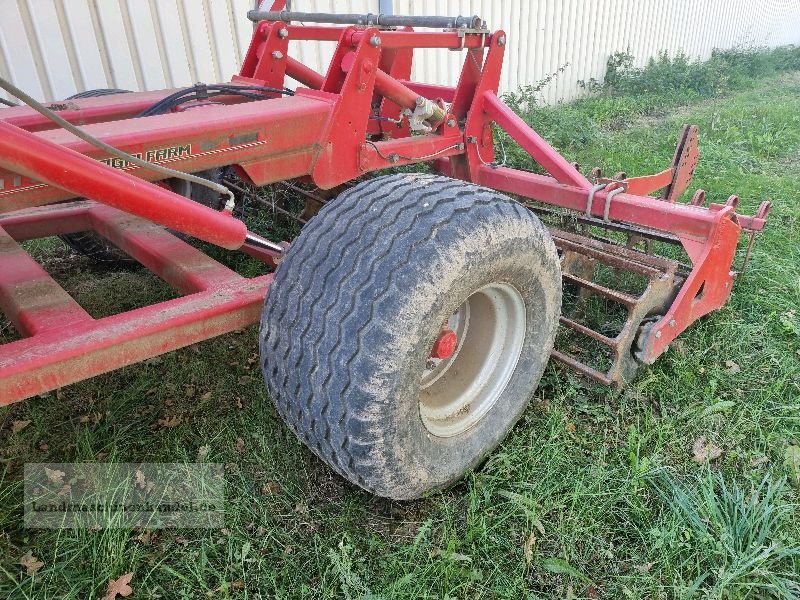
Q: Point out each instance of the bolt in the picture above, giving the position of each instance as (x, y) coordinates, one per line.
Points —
(501, 41)
(277, 55)
(283, 32)
(420, 101)
(375, 40)
(658, 334)
(672, 323)
(451, 123)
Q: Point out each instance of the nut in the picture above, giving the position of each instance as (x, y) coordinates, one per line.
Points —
(501, 41)
(277, 55)
(375, 40)
(283, 32)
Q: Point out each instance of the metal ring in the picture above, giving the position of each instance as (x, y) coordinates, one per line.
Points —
(590, 199)
(609, 196)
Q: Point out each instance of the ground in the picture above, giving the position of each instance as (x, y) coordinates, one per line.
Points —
(594, 494)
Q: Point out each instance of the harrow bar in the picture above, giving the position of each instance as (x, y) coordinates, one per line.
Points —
(581, 258)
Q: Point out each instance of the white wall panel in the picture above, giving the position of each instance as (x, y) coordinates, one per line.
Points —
(54, 48)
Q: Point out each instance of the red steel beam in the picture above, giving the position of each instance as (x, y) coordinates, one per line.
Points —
(25, 153)
(534, 144)
(283, 130)
(681, 219)
(62, 356)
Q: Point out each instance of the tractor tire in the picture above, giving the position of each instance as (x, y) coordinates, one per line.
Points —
(358, 307)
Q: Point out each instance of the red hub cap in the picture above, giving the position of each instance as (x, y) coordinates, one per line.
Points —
(445, 344)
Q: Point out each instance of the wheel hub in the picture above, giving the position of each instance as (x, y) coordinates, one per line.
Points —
(472, 360)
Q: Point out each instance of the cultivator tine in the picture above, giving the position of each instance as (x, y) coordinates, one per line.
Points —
(583, 259)
(684, 163)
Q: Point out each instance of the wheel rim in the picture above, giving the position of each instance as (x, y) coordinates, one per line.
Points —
(457, 391)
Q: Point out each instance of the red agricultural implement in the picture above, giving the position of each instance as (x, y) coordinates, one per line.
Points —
(408, 324)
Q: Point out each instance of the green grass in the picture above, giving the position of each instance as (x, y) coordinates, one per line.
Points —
(594, 493)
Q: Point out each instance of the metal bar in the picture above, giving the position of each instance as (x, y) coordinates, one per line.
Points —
(30, 155)
(29, 297)
(620, 297)
(303, 74)
(581, 368)
(678, 219)
(575, 326)
(56, 358)
(277, 131)
(184, 267)
(369, 19)
(534, 144)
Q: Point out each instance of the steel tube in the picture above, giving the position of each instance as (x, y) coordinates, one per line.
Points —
(42, 160)
(459, 22)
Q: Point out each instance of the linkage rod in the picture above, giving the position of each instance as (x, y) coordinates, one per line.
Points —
(459, 22)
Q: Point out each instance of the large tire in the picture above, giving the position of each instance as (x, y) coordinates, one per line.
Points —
(359, 302)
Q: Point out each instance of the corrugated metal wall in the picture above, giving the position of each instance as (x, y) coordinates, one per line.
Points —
(53, 48)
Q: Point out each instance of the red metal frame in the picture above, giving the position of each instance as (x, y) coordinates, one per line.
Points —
(325, 133)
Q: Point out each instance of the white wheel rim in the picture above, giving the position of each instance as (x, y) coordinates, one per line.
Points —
(458, 391)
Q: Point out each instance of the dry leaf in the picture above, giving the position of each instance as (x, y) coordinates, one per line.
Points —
(30, 562)
(645, 568)
(170, 421)
(529, 544)
(54, 475)
(44, 446)
(733, 368)
(205, 397)
(140, 479)
(271, 487)
(570, 427)
(119, 587)
(705, 451)
(240, 445)
(18, 426)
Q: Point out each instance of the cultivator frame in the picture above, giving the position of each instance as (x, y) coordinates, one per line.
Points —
(364, 115)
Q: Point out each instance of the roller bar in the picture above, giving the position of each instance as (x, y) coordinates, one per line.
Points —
(369, 19)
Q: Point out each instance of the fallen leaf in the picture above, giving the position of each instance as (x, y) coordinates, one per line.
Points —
(705, 451)
(44, 447)
(145, 537)
(758, 461)
(54, 475)
(592, 592)
(205, 397)
(18, 426)
(30, 562)
(140, 480)
(240, 445)
(119, 587)
(529, 544)
(190, 391)
(645, 568)
(170, 422)
(239, 403)
(271, 487)
(570, 427)
(301, 508)
(733, 368)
